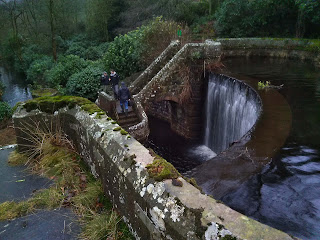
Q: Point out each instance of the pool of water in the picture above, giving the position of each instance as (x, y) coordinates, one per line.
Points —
(16, 88)
(286, 193)
(183, 154)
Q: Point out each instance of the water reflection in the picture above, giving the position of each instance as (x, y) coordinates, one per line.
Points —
(16, 88)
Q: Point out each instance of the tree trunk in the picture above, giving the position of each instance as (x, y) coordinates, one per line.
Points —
(52, 28)
(300, 25)
(210, 7)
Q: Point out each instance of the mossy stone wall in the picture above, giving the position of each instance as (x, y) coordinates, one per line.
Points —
(153, 209)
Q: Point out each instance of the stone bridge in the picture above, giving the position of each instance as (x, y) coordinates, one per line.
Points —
(152, 206)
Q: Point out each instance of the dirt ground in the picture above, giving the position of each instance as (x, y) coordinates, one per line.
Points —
(7, 136)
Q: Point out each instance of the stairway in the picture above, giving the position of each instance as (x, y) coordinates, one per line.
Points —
(126, 121)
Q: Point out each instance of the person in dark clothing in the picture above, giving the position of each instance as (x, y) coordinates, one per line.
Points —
(114, 79)
(104, 81)
(124, 97)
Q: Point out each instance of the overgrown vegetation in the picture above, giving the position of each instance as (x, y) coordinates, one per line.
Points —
(67, 45)
(2, 88)
(5, 111)
(54, 156)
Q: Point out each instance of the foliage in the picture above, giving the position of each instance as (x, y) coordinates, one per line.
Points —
(29, 54)
(2, 88)
(250, 18)
(37, 70)
(262, 85)
(68, 65)
(85, 83)
(203, 26)
(156, 36)
(124, 53)
(5, 111)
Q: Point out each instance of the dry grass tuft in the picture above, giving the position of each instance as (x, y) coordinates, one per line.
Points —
(52, 154)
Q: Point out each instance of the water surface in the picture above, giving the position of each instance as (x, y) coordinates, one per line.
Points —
(16, 88)
(286, 194)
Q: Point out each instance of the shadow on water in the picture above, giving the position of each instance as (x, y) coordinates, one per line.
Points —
(16, 88)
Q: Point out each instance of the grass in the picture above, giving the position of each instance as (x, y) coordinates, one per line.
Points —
(54, 156)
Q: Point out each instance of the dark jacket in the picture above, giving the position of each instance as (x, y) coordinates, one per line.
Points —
(114, 79)
(124, 93)
(104, 80)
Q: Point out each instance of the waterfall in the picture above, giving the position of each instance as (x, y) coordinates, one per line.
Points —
(232, 108)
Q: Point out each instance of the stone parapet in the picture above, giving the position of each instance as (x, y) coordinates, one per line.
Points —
(152, 210)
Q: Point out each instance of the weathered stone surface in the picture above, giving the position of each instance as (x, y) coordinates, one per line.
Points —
(153, 210)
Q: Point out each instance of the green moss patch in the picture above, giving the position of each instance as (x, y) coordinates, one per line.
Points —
(123, 132)
(52, 104)
(160, 169)
(44, 92)
(117, 129)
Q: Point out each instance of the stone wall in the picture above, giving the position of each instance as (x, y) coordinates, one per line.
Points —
(300, 49)
(152, 210)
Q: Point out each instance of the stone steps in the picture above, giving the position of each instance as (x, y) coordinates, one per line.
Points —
(128, 121)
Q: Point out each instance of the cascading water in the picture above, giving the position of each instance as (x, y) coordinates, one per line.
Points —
(231, 111)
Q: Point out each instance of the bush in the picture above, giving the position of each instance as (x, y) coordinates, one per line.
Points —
(36, 72)
(2, 87)
(156, 36)
(85, 83)
(244, 18)
(123, 54)
(67, 66)
(76, 49)
(5, 111)
(29, 55)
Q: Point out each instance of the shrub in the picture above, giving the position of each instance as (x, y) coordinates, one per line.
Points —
(252, 18)
(156, 36)
(123, 54)
(67, 66)
(2, 87)
(29, 54)
(5, 111)
(36, 71)
(76, 49)
(85, 83)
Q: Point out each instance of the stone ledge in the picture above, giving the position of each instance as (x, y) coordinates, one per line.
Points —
(153, 210)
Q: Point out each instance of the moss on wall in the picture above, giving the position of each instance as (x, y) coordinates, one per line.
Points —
(52, 104)
(160, 169)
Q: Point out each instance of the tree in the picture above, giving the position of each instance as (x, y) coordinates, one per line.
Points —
(98, 13)
(308, 12)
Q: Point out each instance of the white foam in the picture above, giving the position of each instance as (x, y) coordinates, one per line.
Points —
(202, 152)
